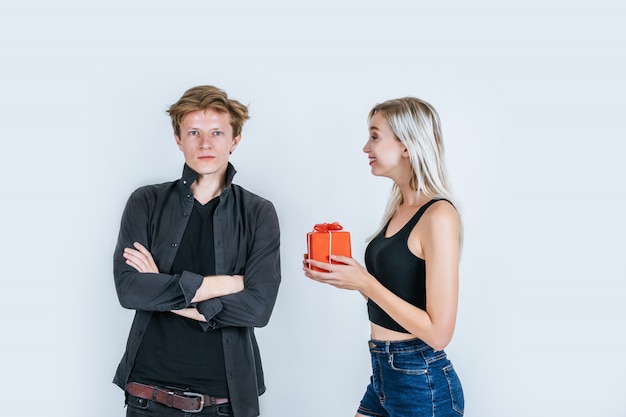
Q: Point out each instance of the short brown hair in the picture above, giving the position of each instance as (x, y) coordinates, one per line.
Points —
(208, 97)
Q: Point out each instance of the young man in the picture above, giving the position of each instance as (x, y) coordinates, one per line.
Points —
(198, 259)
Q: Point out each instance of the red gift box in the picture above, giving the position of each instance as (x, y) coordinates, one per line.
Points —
(327, 239)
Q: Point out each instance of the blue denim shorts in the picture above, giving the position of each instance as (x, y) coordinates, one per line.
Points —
(410, 379)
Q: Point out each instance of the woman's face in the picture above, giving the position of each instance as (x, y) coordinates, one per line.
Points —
(388, 157)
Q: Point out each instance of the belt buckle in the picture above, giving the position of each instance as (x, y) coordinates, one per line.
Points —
(194, 395)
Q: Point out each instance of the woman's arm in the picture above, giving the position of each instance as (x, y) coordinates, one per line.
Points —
(437, 237)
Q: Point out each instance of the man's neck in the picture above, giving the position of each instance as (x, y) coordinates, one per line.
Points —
(206, 187)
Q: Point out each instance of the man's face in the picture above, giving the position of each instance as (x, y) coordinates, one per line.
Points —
(206, 139)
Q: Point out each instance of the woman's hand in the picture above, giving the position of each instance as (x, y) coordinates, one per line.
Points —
(140, 258)
(347, 274)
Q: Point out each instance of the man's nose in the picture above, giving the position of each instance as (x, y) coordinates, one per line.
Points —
(205, 143)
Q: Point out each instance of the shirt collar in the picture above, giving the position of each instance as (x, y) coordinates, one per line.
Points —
(189, 175)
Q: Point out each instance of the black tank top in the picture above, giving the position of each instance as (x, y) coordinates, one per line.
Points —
(397, 269)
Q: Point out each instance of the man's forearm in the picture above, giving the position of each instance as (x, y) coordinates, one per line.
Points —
(218, 286)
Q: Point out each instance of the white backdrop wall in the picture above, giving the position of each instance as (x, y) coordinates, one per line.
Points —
(532, 99)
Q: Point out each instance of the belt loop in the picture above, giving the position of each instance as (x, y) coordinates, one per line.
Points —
(170, 399)
(154, 393)
(387, 344)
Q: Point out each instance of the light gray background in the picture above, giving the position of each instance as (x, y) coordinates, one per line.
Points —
(532, 99)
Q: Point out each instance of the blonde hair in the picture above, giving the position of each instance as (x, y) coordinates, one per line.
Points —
(416, 124)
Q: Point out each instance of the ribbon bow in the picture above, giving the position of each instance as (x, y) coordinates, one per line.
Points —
(327, 227)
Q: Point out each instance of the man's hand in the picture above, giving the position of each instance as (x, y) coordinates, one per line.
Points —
(190, 313)
(140, 258)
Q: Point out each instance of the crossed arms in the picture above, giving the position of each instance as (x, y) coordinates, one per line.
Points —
(243, 293)
(212, 286)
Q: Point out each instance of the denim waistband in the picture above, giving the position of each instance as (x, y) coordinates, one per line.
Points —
(412, 345)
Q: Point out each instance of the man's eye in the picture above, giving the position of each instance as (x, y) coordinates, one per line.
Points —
(217, 133)
(193, 133)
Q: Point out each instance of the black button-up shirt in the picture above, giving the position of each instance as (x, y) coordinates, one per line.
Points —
(247, 242)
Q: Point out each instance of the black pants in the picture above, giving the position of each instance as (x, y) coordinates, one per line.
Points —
(138, 407)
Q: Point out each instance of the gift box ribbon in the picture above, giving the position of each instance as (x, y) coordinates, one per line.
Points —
(327, 227)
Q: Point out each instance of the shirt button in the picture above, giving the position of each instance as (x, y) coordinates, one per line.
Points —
(188, 195)
(185, 182)
(174, 245)
(185, 214)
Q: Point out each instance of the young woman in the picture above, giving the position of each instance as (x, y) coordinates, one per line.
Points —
(410, 278)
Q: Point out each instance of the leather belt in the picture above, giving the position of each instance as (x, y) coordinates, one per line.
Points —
(189, 402)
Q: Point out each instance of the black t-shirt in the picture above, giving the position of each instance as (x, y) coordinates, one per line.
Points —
(175, 351)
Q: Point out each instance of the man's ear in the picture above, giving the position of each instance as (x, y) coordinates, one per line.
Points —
(178, 142)
(236, 141)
